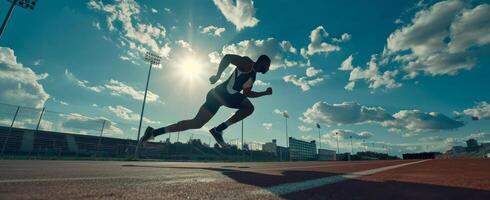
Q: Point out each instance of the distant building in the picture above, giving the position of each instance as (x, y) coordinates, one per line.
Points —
(472, 145)
(270, 147)
(282, 153)
(457, 149)
(423, 155)
(343, 156)
(302, 150)
(325, 154)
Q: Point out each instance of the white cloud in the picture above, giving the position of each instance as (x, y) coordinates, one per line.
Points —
(267, 126)
(261, 83)
(373, 76)
(185, 45)
(347, 64)
(306, 82)
(214, 57)
(96, 24)
(277, 50)
(153, 10)
(438, 39)
(18, 83)
(213, 30)
(304, 128)
(303, 82)
(317, 44)
(118, 88)
(141, 37)
(344, 113)
(417, 121)
(311, 71)
(241, 13)
(344, 38)
(82, 83)
(63, 103)
(37, 62)
(283, 113)
(480, 111)
(288, 47)
(124, 113)
(127, 114)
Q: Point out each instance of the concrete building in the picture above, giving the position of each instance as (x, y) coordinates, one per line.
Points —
(472, 145)
(270, 147)
(302, 150)
(282, 153)
(325, 154)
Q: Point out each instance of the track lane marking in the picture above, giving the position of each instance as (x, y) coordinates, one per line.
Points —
(287, 188)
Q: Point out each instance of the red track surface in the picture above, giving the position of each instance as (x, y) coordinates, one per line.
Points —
(434, 179)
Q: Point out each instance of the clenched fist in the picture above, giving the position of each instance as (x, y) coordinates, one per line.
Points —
(268, 91)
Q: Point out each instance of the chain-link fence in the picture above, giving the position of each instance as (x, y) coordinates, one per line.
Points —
(40, 133)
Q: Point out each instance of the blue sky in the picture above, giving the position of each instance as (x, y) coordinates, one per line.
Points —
(405, 75)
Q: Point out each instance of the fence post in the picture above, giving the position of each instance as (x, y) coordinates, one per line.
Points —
(100, 137)
(40, 118)
(10, 130)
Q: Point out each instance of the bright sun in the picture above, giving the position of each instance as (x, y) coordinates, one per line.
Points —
(190, 71)
(190, 68)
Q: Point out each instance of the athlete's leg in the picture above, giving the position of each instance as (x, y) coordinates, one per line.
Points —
(244, 110)
(201, 118)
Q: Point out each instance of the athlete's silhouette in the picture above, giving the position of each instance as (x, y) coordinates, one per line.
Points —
(225, 94)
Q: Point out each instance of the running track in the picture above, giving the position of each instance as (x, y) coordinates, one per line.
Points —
(412, 179)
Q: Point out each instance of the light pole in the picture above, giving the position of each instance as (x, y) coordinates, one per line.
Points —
(286, 116)
(27, 4)
(319, 137)
(351, 146)
(242, 135)
(337, 134)
(153, 59)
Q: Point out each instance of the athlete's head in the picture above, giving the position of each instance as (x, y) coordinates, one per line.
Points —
(262, 64)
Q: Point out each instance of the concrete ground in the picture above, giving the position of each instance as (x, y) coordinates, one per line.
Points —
(402, 179)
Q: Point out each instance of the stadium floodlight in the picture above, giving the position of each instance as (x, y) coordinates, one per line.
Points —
(286, 116)
(337, 134)
(27, 4)
(153, 59)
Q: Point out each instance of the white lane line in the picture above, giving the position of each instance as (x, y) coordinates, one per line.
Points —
(310, 184)
(169, 177)
(307, 167)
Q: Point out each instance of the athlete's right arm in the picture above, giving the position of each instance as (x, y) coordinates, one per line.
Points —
(227, 60)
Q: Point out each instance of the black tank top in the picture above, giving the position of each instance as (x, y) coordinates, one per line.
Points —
(237, 82)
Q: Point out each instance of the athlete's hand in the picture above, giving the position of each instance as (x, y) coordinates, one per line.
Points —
(213, 79)
(268, 91)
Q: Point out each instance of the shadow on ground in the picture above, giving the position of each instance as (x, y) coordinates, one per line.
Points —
(349, 189)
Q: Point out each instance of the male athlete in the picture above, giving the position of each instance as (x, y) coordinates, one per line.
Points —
(225, 94)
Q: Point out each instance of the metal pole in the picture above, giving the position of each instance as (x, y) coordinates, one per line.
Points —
(319, 140)
(287, 137)
(178, 136)
(142, 111)
(351, 146)
(242, 134)
(338, 150)
(100, 137)
(7, 18)
(40, 118)
(10, 130)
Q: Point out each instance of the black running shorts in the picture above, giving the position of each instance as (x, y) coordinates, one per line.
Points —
(216, 98)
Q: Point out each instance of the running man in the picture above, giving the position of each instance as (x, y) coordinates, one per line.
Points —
(225, 94)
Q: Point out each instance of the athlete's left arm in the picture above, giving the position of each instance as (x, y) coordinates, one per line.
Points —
(252, 94)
